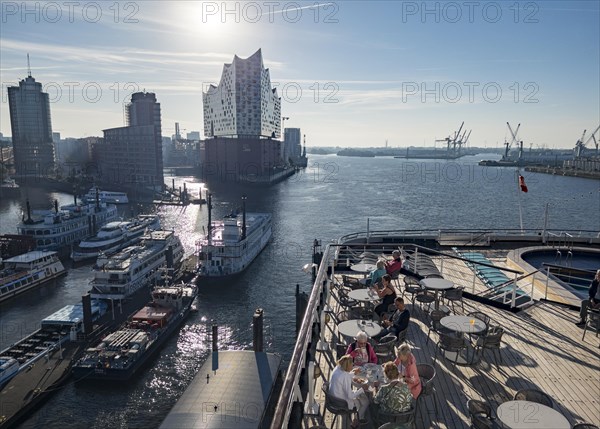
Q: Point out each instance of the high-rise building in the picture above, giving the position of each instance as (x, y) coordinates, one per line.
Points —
(293, 144)
(31, 128)
(244, 103)
(242, 122)
(132, 155)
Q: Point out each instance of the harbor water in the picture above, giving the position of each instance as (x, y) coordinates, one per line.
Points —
(332, 197)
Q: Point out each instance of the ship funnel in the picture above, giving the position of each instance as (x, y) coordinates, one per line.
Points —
(244, 217)
(56, 206)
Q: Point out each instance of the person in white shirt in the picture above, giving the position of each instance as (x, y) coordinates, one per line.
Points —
(340, 386)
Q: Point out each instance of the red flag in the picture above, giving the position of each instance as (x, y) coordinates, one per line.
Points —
(522, 183)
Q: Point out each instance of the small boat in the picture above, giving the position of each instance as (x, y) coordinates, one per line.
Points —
(120, 354)
(109, 197)
(231, 245)
(114, 236)
(29, 270)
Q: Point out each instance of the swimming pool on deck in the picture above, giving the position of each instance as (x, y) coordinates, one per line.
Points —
(577, 266)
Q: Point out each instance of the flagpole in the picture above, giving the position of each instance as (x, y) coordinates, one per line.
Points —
(519, 198)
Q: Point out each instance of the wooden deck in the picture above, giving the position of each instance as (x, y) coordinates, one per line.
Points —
(542, 349)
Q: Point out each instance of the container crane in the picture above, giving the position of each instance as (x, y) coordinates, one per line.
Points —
(508, 145)
(580, 146)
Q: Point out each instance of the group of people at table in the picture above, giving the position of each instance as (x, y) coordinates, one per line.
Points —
(402, 383)
(396, 395)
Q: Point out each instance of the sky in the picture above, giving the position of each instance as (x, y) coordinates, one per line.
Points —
(350, 73)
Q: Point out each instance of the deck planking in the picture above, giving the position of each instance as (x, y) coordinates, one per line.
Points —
(542, 349)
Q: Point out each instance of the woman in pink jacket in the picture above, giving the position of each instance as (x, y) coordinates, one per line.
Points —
(407, 366)
(361, 351)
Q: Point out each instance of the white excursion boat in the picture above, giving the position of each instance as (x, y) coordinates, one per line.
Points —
(120, 275)
(114, 236)
(27, 271)
(109, 197)
(59, 229)
(231, 245)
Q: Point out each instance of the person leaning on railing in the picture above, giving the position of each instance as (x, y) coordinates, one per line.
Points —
(592, 302)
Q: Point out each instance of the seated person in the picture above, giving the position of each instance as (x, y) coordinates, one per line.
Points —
(387, 293)
(393, 397)
(340, 386)
(398, 322)
(407, 367)
(361, 351)
(593, 301)
(395, 266)
(375, 275)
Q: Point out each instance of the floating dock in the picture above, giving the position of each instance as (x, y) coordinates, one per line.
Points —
(238, 395)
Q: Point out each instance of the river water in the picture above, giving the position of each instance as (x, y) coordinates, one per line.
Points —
(332, 197)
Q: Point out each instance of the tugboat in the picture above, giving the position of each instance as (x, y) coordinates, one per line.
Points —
(231, 245)
(120, 354)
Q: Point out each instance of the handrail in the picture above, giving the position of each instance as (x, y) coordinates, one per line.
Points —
(436, 232)
(284, 403)
(500, 286)
(579, 270)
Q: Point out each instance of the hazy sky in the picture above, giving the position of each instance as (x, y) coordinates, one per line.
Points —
(351, 73)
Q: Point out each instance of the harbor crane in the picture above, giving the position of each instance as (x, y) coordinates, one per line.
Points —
(514, 140)
(580, 146)
(456, 140)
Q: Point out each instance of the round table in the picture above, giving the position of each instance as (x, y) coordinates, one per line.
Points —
(530, 415)
(363, 268)
(436, 285)
(363, 295)
(350, 328)
(371, 372)
(463, 325)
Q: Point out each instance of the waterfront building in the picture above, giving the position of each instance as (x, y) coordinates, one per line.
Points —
(132, 155)
(31, 128)
(244, 103)
(242, 122)
(293, 145)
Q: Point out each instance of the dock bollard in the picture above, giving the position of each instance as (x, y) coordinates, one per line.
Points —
(257, 325)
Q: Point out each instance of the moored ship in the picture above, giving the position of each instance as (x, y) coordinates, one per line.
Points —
(26, 271)
(109, 197)
(231, 245)
(114, 236)
(119, 275)
(120, 354)
(59, 229)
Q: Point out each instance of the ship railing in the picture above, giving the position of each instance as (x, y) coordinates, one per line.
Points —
(589, 236)
(566, 284)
